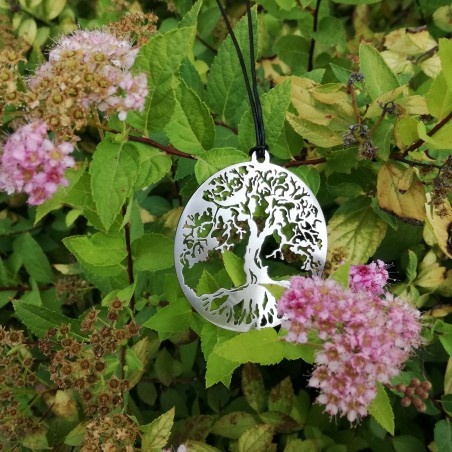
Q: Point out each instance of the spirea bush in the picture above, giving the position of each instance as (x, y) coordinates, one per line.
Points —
(113, 113)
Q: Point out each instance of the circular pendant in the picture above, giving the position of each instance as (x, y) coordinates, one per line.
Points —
(247, 226)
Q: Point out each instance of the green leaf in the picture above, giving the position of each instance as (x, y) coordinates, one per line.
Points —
(36, 441)
(33, 258)
(39, 319)
(234, 266)
(408, 443)
(191, 127)
(196, 446)
(331, 32)
(380, 409)
(309, 175)
(281, 397)
(157, 433)
(275, 104)
(166, 368)
(219, 369)
(161, 58)
(153, 165)
(443, 435)
(176, 316)
(191, 17)
(233, 425)
(294, 51)
(355, 231)
(263, 347)
(341, 275)
(379, 78)
(253, 387)
(356, 2)
(439, 97)
(317, 134)
(137, 357)
(342, 160)
(225, 89)
(215, 160)
(76, 436)
(114, 170)
(153, 252)
(445, 54)
(256, 439)
(99, 250)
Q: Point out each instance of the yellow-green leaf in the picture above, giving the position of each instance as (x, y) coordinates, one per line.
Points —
(407, 205)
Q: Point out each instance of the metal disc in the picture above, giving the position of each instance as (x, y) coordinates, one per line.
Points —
(247, 226)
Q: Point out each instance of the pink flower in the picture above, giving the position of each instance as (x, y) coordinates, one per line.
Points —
(33, 164)
(370, 278)
(365, 339)
(105, 80)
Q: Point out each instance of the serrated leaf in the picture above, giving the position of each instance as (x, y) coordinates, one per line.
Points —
(36, 441)
(379, 78)
(196, 446)
(161, 58)
(441, 226)
(153, 252)
(219, 369)
(281, 397)
(39, 319)
(153, 165)
(100, 249)
(407, 205)
(253, 387)
(341, 275)
(157, 433)
(275, 104)
(137, 357)
(263, 347)
(317, 134)
(225, 89)
(233, 425)
(355, 231)
(191, 127)
(177, 316)
(76, 436)
(443, 435)
(256, 439)
(114, 170)
(33, 258)
(380, 409)
(234, 266)
(215, 160)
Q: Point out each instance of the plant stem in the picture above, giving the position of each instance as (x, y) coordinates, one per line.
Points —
(223, 124)
(376, 125)
(304, 162)
(417, 144)
(351, 90)
(151, 142)
(129, 258)
(314, 29)
(414, 163)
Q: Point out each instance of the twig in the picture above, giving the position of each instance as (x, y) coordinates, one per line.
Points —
(314, 29)
(223, 124)
(304, 162)
(351, 90)
(417, 144)
(414, 163)
(123, 373)
(167, 149)
(206, 44)
(377, 124)
(129, 258)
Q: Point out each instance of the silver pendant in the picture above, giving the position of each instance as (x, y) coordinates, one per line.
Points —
(260, 213)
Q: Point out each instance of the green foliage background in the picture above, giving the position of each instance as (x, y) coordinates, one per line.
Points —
(112, 228)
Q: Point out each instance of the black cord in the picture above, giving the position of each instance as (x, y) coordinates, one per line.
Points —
(253, 94)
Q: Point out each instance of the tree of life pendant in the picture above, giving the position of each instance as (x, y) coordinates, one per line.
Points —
(249, 225)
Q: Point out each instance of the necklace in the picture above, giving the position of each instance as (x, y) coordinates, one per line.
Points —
(238, 222)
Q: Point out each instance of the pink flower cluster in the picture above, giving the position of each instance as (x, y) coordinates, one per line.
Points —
(365, 339)
(32, 163)
(109, 60)
(370, 278)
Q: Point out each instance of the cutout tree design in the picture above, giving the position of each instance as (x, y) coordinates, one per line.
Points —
(259, 212)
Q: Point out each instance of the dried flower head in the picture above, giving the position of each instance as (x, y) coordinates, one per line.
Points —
(87, 72)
